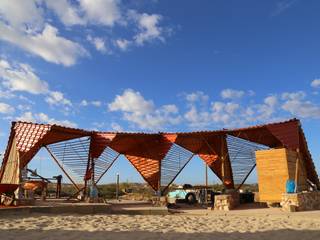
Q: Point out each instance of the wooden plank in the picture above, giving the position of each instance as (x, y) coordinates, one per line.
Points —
(274, 168)
(273, 173)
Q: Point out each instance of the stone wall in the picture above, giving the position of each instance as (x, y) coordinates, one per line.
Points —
(226, 202)
(303, 201)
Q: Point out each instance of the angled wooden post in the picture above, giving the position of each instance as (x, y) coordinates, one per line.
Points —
(105, 171)
(61, 167)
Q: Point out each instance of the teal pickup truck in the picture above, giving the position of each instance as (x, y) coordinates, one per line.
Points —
(191, 195)
(185, 193)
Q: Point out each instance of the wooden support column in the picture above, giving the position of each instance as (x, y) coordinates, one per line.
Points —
(226, 168)
(296, 178)
(222, 160)
(159, 180)
(92, 169)
(206, 178)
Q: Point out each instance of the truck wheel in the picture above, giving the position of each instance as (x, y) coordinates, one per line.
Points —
(191, 198)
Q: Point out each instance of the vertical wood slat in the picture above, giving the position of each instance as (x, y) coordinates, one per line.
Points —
(274, 168)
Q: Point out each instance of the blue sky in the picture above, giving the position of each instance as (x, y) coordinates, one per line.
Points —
(160, 65)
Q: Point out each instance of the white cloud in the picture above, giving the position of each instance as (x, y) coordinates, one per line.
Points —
(47, 44)
(96, 103)
(240, 114)
(196, 118)
(28, 25)
(231, 93)
(224, 112)
(123, 44)
(6, 108)
(105, 12)
(68, 13)
(263, 112)
(6, 94)
(116, 127)
(24, 107)
(98, 43)
(21, 77)
(132, 102)
(293, 95)
(31, 12)
(143, 113)
(315, 83)
(85, 103)
(22, 15)
(197, 96)
(26, 117)
(148, 25)
(271, 100)
(44, 118)
(57, 98)
(170, 108)
(299, 107)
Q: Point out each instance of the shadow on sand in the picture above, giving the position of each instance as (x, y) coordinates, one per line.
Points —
(286, 234)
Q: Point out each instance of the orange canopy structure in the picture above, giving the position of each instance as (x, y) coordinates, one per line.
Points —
(147, 152)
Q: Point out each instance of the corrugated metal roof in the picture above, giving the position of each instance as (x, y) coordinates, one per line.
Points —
(146, 150)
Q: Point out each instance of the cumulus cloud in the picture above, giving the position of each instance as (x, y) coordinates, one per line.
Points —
(297, 105)
(26, 117)
(293, 95)
(105, 12)
(143, 113)
(85, 103)
(315, 83)
(21, 77)
(116, 127)
(197, 96)
(232, 112)
(122, 44)
(231, 93)
(196, 118)
(6, 108)
(18, 14)
(98, 43)
(44, 118)
(132, 102)
(26, 25)
(6, 94)
(68, 13)
(57, 98)
(148, 25)
(46, 44)
(84, 12)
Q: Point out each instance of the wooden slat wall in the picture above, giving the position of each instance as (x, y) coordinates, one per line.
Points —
(274, 168)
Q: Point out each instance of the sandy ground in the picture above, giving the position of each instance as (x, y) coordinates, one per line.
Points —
(233, 225)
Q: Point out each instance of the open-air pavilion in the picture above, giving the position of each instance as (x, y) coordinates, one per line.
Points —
(158, 157)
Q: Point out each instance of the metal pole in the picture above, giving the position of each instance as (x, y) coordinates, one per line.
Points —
(117, 187)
